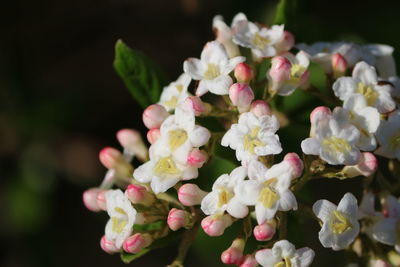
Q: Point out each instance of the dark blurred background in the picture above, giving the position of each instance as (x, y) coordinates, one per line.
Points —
(61, 102)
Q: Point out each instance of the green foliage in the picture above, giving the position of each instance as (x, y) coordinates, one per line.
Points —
(285, 13)
(141, 75)
(317, 76)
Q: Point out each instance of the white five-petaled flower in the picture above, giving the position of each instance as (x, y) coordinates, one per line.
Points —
(169, 154)
(388, 136)
(334, 142)
(267, 190)
(122, 217)
(212, 69)
(253, 136)
(259, 39)
(367, 119)
(364, 81)
(284, 253)
(339, 223)
(175, 93)
(224, 35)
(222, 197)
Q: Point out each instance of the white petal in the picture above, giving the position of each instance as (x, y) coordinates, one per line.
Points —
(194, 68)
(348, 205)
(323, 209)
(214, 52)
(237, 176)
(310, 146)
(202, 88)
(190, 173)
(344, 87)
(306, 256)
(256, 170)
(365, 73)
(384, 231)
(237, 209)
(287, 201)
(199, 136)
(209, 203)
(160, 185)
(144, 173)
(326, 236)
(266, 259)
(220, 85)
(247, 192)
(263, 213)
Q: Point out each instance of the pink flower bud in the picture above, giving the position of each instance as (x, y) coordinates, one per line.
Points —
(197, 158)
(215, 225)
(243, 73)
(195, 105)
(138, 194)
(190, 194)
(101, 200)
(286, 43)
(379, 263)
(90, 199)
(108, 246)
(153, 135)
(249, 261)
(339, 65)
(241, 95)
(136, 242)
(111, 158)
(367, 166)
(154, 115)
(295, 163)
(280, 69)
(260, 108)
(304, 79)
(265, 231)
(177, 219)
(132, 142)
(234, 254)
(318, 114)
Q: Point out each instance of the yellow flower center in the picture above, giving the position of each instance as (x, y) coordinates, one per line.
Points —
(339, 222)
(224, 195)
(117, 223)
(166, 166)
(172, 102)
(212, 72)
(177, 138)
(368, 92)
(395, 141)
(268, 197)
(251, 141)
(179, 87)
(260, 42)
(296, 71)
(284, 263)
(336, 144)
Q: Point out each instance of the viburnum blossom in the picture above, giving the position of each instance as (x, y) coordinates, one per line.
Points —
(175, 93)
(212, 69)
(388, 136)
(283, 253)
(224, 35)
(253, 136)
(339, 223)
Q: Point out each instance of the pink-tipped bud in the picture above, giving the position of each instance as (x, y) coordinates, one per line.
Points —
(138, 194)
(154, 115)
(111, 158)
(196, 105)
(339, 65)
(318, 114)
(101, 200)
(243, 73)
(280, 69)
(241, 96)
(286, 43)
(177, 219)
(90, 199)
(136, 243)
(234, 254)
(367, 166)
(215, 225)
(197, 158)
(379, 263)
(265, 231)
(296, 164)
(190, 194)
(153, 135)
(260, 108)
(108, 246)
(132, 142)
(249, 261)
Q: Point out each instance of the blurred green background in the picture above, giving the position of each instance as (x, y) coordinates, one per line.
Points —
(61, 102)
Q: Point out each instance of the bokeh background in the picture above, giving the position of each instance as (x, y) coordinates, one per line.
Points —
(61, 102)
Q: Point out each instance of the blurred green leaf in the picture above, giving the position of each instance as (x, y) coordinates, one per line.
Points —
(149, 227)
(285, 12)
(140, 74)
(317, 76)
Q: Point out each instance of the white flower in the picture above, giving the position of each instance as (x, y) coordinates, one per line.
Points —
(224, 35)
(222, 197)
(388, 136)
(339, 223)
(334, 142)
(267, 190)
(396, 86)
(175, 93)
(365, 82)
(122, 217)
(367, 119)
(253, 136)
(260, 39)
(383, 59)
(212, 69)
(283, 253)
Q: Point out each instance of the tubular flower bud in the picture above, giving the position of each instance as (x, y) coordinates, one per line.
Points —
(177, 219)
(197, 158)
(136, 242)
(286, 43)
(280, 69)
(265, 231)
(154, 115)
(234, 254)
(295, 163)
(339, 65)
(101, 200)
(367, 165)
(138, 194)
(215, 225)
(243, 73)
(153, 135)
(90, 199)
(133, 143)
(249, 261)
(108, 246)
(195, 105)
(111, 158)
(190, 195)
(260, 108)
(318, 114)
(241, 96)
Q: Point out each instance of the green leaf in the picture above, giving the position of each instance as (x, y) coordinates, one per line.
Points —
(158, 225)
(317, 76)
(141, 75)
(127, 257)
(285, 12)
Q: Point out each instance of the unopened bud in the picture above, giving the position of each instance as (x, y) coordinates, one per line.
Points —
(153, 135)
(154, 115)
(132, 142)
(215, 225)
(108, 246)
(197, 158)
(196, 105)
(138, 194)
(241, 96)
(190, 194)
(232, 255)
(367, 166)
(286, 43)
(318, 114)
(243, 73)
(136, 243)
(101, 200)
(111, 158)
(339, 65)
(178, 219)
(90, 199)
(280, 69)
(249, 261)
(265, 231)
(260, 108)
(295, 163)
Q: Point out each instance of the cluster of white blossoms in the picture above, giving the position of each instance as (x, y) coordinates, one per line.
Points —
(346, 140)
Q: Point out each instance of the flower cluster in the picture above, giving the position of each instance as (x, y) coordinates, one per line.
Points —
(355, 133)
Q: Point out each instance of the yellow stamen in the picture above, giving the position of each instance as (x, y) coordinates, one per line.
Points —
(177, 138)
(336, 144)
(166, 166)
(268, 197)
(284, 263)
(223, 197)
(172, 102)
(251, 141)
(179, 87)
(369, 93)
(212, 72)
(118, 224)
(395, 141)
(296, 71)
(339, 222)
(260, 41)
